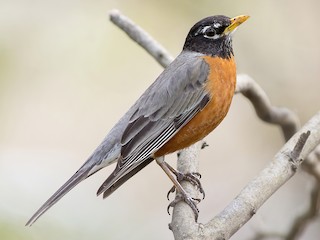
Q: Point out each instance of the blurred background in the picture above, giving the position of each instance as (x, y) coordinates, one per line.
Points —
(67, 74)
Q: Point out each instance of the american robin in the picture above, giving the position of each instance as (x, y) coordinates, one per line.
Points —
(185, 103)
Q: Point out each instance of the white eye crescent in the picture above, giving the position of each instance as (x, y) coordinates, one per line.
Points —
(210, 32)
(205, 29)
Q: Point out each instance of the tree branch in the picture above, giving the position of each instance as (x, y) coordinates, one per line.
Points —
(285, 118)
(141, 37)
(245, 205)
(301, 221)
(282, 168)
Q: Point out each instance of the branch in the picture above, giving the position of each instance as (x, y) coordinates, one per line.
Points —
(141, 37)
(281, 169)
(312, 166)
(245, 205)
(300, 222)
(183, 216)
(240, 210)
(285, 118)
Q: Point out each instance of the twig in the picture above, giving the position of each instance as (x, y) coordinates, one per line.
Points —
(295, 154)
(285, 118)
(141, 37)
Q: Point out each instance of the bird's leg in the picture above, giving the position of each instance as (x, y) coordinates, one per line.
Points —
(193, 178)
(182, 194)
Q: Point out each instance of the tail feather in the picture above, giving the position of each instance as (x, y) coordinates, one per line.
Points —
(110, 185)
(79, 176)
(106, 153)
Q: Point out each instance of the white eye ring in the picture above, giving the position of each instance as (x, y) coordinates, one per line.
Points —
(215, 36)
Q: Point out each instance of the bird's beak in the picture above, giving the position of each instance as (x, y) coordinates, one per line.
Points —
(235, 22)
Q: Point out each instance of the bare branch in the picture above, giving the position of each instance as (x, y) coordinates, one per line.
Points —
(299, 146)
(183, 216)
(300, 222)
(141, 37)
(245, 205)
(312, 166)
(284, 117)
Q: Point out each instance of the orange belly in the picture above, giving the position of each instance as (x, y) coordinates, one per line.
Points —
(221, 85)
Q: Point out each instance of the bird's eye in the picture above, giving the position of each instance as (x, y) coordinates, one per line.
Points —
(210, 32)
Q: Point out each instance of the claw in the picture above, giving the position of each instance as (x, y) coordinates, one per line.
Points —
(176, 177)
(172, 190)
(171, 205)
(192, 202)
(193, 178)
(197, 174)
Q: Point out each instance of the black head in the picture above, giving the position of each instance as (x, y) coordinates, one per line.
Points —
(212, 35)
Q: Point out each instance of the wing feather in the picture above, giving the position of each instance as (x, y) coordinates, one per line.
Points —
(168, 104)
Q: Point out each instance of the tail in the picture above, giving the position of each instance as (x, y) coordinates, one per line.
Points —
(106, 153)
(110, 185)
(85, 171)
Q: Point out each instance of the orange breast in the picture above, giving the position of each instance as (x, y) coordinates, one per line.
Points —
(221, 85)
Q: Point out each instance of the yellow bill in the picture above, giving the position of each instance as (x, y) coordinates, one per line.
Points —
(235, 22)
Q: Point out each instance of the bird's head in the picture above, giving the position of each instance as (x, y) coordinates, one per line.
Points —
(212, 35)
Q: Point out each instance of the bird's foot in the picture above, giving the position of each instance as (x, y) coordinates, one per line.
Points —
(193, 178)
(177, 177)
(192, 202)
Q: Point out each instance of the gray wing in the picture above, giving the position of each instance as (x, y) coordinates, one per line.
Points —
(168, 104)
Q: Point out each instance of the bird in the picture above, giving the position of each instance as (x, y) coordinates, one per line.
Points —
(184, 104)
